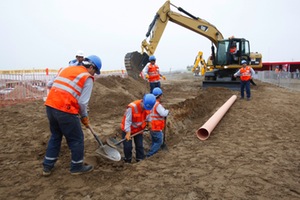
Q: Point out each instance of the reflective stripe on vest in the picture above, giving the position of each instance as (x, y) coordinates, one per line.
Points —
(139, 116)
(67, 88)
(135, 111)
(153, 73)
(157, 121)
(245, 73)
(75, 90)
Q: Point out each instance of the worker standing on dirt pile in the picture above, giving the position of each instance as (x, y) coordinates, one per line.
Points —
(152, 73)
(79, 58)
(136, 119)
(68, 97)
(246, 73)
(77, 62)
(158, 115)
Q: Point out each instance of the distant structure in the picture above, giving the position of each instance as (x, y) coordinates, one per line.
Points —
(287, 66)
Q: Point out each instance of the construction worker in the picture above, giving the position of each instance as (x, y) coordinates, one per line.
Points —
(152, 73)
(67, 101)
(77, 62)
(246, 73)
(79, 58)
(158, 115)
(233, 52)
(136, 119)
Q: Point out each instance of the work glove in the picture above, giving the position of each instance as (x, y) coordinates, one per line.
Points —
(127, 136)
(147, 76)
(85, 121)
(163, 77)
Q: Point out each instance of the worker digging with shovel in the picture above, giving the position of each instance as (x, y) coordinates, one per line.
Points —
(158, 117)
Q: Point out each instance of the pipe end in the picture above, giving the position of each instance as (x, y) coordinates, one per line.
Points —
(202, 134)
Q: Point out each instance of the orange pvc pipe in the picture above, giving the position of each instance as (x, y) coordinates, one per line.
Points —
(204, 131)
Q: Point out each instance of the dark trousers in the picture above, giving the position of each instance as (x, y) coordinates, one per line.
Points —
(139, 148)
(154, 85)
(245, 85)
(67, 125)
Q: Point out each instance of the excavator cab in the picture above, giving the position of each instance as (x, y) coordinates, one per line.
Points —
(227, 60)
(232, 51)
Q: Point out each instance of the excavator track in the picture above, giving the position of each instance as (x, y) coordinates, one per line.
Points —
(135, 63)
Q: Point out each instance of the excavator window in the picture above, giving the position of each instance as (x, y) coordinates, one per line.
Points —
(222, 53)
(245, 50)
(226, 56)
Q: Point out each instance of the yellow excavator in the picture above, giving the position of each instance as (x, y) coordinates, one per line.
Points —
(200, 66)
(224, 62)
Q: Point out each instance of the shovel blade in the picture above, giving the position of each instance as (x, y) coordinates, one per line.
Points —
(109, 153)
(113, 142)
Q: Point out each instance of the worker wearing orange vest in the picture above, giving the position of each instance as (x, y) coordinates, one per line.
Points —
(233, 52)
(136, 119)
(246, 73)
(158, 115)
(68, 98)
(152, 73)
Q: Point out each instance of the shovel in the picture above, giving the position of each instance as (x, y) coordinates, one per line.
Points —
(164, 146)
(117, 144)
(105, 150)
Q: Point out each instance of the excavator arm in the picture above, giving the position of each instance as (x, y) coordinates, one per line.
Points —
(135, 61)
(164, 15)
(199, 64)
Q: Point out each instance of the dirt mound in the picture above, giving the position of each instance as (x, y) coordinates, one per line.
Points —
(253, 153)
(115, 92)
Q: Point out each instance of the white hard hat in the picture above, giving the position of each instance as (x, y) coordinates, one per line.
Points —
(80, 53)
(244, 62)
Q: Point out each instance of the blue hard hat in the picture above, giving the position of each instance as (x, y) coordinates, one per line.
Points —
(96, 61)
(149, 101)
(157, 91)
(151, 58)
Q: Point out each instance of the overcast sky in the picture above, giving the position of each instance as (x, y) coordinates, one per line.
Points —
(47, 33)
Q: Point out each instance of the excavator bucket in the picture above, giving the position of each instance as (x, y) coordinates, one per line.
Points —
(135, 63)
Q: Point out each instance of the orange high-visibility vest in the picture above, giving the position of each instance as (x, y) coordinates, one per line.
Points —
(153, 73)
(67, 88)
(157, 121)
(232, 50)
(245, 73)
(139, 115)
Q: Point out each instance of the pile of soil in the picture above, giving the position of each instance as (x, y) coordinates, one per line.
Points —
(253, 153)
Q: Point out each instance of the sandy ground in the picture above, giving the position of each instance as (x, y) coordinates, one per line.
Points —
(253, 153)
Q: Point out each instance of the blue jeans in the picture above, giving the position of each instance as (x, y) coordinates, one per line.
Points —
(154, 85)
(157, 140)
(139, 148)
(68, 125)
(245, 84)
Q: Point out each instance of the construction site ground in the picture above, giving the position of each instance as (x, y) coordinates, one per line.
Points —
(253, 153)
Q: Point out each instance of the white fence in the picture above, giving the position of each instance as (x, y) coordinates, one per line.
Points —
(290, 80)
(21, 86)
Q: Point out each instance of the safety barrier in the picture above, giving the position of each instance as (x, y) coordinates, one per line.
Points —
(18, 86)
